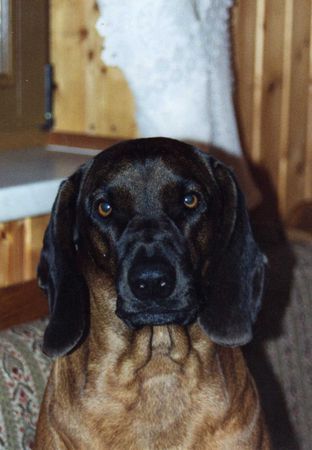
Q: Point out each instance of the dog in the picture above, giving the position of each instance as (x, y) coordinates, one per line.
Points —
(154, 280)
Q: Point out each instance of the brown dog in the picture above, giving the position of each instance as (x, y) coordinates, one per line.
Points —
(153, 280)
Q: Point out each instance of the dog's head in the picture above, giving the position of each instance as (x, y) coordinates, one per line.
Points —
(167, 223)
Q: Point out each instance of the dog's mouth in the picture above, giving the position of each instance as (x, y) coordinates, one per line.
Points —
(152, 317)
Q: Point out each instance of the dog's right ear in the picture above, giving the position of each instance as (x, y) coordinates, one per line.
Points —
(59, 275)
(232, 289)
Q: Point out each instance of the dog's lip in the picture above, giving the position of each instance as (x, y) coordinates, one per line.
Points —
(182, 316)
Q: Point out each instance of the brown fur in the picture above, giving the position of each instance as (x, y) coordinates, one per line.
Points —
(162, 387)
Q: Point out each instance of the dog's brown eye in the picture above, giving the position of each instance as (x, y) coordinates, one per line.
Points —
(190, 201)
(104, 209)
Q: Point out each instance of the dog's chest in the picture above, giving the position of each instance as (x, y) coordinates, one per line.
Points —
(158, 383)
(155, 396)
(154, 403)
(155, 409)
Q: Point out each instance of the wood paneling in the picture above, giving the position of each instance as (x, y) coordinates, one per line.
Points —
(21, 303)
(20, 245)
(89, 97)
(273, 61)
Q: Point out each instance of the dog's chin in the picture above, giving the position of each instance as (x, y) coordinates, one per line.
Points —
(140, 319)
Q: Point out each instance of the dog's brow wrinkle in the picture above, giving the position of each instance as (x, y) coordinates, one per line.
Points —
(144, 183)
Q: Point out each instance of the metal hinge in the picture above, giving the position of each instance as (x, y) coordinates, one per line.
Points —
(49, 87)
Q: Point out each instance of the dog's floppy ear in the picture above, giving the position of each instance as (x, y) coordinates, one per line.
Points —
(59, 274)
(233, 283)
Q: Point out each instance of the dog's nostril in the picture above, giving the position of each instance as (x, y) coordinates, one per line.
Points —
(161, 284)
(151, 281)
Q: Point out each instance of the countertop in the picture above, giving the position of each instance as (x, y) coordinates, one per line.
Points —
(29, 178)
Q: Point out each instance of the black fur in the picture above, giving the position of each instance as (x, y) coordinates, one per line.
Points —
(60, 277)
(191, 264)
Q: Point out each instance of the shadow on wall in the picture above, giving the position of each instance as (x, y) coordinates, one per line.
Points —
(270, 235)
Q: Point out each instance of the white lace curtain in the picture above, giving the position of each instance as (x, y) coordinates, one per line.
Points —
(176, 57)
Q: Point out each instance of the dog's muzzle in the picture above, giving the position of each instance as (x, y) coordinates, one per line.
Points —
(154, 286)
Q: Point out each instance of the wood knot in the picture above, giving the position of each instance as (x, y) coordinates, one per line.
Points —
(90, 55)
(83, 33)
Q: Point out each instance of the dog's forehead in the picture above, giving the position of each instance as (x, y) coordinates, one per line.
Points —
(144, 169)
(148, 175)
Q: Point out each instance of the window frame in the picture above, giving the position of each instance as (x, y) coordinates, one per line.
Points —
(6, 43)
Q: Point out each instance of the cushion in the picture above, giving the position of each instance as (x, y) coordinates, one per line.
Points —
(280, 356)
(23, 374)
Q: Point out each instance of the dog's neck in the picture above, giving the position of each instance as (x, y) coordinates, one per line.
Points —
(171, 373)
(126, 357)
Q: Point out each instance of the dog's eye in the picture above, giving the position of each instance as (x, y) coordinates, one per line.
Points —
(104, 209)
(191, 200)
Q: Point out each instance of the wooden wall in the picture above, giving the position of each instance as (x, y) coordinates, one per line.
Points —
(20, 245)
(273, 61)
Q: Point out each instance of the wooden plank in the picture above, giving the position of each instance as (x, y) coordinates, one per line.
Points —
(272, 86)
(20, 246)
(94, 68)
(4, 254)
(259, 79)
(67, 31)
(282, 175)
(243, 24)
(308, 166)
(38, 227)
(297, 152)
(16, 260)
(27, 249)
(118, 110)
(21, 303)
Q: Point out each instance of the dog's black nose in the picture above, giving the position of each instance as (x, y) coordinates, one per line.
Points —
(152, 281)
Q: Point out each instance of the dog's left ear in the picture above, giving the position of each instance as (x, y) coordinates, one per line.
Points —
(60, 276)
(233, 283)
